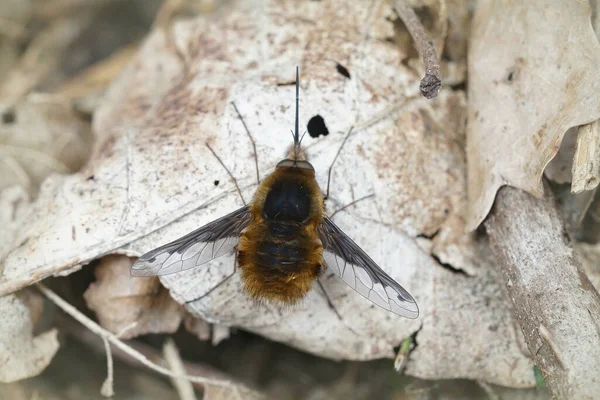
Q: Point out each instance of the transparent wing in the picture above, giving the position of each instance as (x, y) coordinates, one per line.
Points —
(361, 273)
(196, 248)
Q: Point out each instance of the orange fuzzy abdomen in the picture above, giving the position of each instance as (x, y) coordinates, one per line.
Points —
(279, 267)
(279, 253)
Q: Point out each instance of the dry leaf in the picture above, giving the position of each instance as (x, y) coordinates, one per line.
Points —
(590, 260)
(40, 136)
(42, 57)
(529, 81)
(200, 328)
(14, 207)
(559, 168)
(150, 169)
(226, 393)
(127, 306)
(23, 355)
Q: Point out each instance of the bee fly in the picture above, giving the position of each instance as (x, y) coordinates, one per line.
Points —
(283, 243)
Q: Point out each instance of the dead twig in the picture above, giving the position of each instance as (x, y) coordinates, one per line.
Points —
(90, 340)
(108, 387)
(183, 386)
(431, 82)
(557, 307)
(98, 330)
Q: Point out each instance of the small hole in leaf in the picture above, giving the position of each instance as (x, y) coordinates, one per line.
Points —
(510, 76)
(316, 127)
(342, 70)
(9, 117)
(216, 183)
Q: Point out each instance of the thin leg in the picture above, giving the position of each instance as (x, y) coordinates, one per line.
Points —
(351, 204)
(334, 159)
(228, 172)
(218, 284)
(329, 302)
(251, 139)
(212, 289)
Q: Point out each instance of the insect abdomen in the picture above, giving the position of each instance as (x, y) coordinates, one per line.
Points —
(280, 254)
(275, 269)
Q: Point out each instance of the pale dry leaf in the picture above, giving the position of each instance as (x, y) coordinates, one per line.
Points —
(43, 55)
(222, 393)
(150, 169)
(39, 136)
(529, 82)
(559, 168)
(128, 306)
(590, 260)
(198, 327)
(9, 53)
(23, 355)
(14, 17)
(586, 168)
(14, 207)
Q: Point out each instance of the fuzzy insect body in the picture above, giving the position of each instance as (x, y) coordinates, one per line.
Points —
(280, 254)
(283, 242)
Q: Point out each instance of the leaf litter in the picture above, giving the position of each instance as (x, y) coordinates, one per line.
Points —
(150, 179)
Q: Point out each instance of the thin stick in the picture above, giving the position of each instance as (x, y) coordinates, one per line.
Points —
(103, 333)
(431, 82)
(492, 395)
(535, 254)
(108, 387)
(334, 159)
(127, 329)
(184, 387)
(251, 139)
(228, 172)
(89, 338)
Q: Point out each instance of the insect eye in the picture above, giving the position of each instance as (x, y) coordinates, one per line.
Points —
(287, 163)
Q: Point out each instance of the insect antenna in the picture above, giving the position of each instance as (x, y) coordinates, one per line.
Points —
(228, 172)
(334, 159)
(251, 139)
(302, 138)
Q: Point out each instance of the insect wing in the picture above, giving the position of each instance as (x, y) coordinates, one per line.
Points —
(362, 274)
(213, 240)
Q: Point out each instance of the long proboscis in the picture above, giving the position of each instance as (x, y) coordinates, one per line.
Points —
(296, 132)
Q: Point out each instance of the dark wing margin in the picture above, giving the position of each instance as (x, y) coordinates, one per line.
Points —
(213, 240)
(362, 274)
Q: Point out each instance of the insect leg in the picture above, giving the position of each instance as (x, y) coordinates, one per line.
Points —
(228, 172)
(329, 302)
(212, 289)
(351, 204)
(334, 159)
(251, 139)
(235, 267)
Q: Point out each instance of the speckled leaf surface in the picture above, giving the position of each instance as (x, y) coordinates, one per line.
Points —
(529, 82)
(152, 179)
